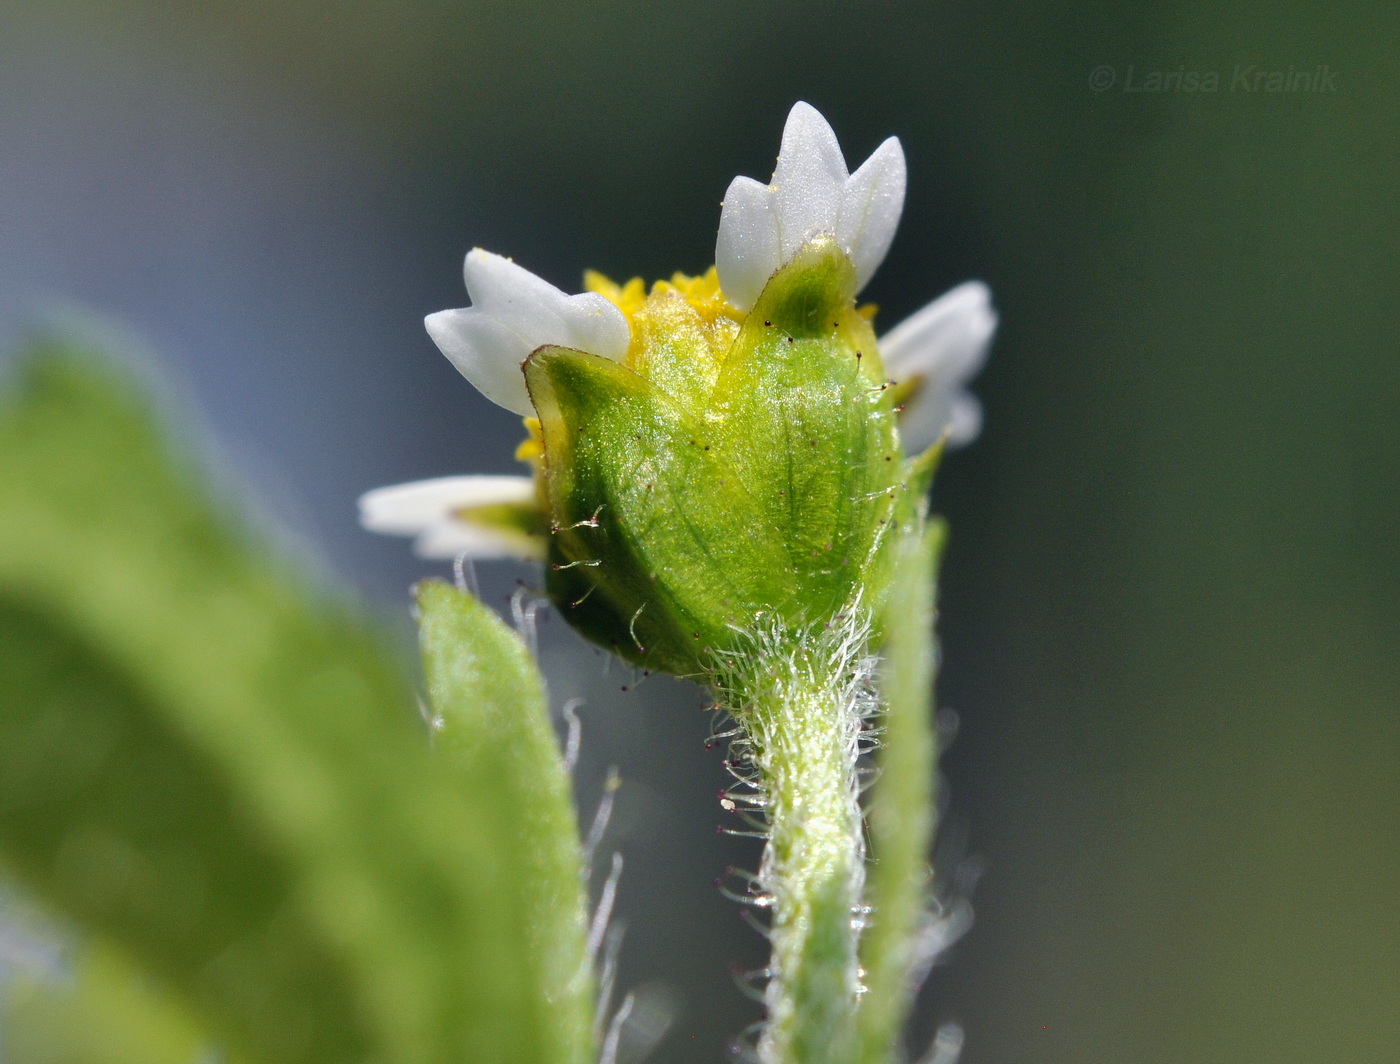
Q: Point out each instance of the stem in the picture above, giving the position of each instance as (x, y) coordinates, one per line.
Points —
(801, 698)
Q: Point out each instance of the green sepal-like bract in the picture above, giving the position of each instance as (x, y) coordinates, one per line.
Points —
(687, 506)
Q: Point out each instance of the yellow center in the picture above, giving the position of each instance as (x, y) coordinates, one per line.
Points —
(702, 292)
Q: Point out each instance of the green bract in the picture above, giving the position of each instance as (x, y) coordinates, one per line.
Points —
(707, 488)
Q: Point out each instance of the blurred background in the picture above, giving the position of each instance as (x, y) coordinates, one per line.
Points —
(1171, 607)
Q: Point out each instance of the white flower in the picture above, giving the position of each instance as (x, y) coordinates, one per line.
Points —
(761, 227)
(930, 357)
(481, 517)
(936, 352)
(513, 312)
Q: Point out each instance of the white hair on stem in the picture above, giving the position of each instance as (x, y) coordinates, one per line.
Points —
(802, 698)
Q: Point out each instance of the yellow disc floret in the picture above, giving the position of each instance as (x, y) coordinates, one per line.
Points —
(531, 452)
(531, 448)
(701, 292)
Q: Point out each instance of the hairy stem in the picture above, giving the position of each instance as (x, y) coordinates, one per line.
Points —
(801, 698)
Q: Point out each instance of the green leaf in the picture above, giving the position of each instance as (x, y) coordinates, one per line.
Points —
(902, 809)
(491, 721)
(223, 772)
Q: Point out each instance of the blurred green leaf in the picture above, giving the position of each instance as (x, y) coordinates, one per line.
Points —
(105, 1012)
(901, 812)
(491, 721)
(201, 760)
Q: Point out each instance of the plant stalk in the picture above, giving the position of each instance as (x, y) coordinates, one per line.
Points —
(801, 699)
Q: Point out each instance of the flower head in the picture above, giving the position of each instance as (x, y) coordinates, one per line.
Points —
(717, 448)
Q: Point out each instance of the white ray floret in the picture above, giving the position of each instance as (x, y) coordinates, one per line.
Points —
(761, 227)
(513, 312)
(939, 349)
(438, 513)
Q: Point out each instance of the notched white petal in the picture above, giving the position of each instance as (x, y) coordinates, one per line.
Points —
(513, 312)
(941, 347)
(432, 511)
(746, 251)
(763, 226)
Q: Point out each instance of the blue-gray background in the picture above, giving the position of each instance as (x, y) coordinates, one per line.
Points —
(1171, 605)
